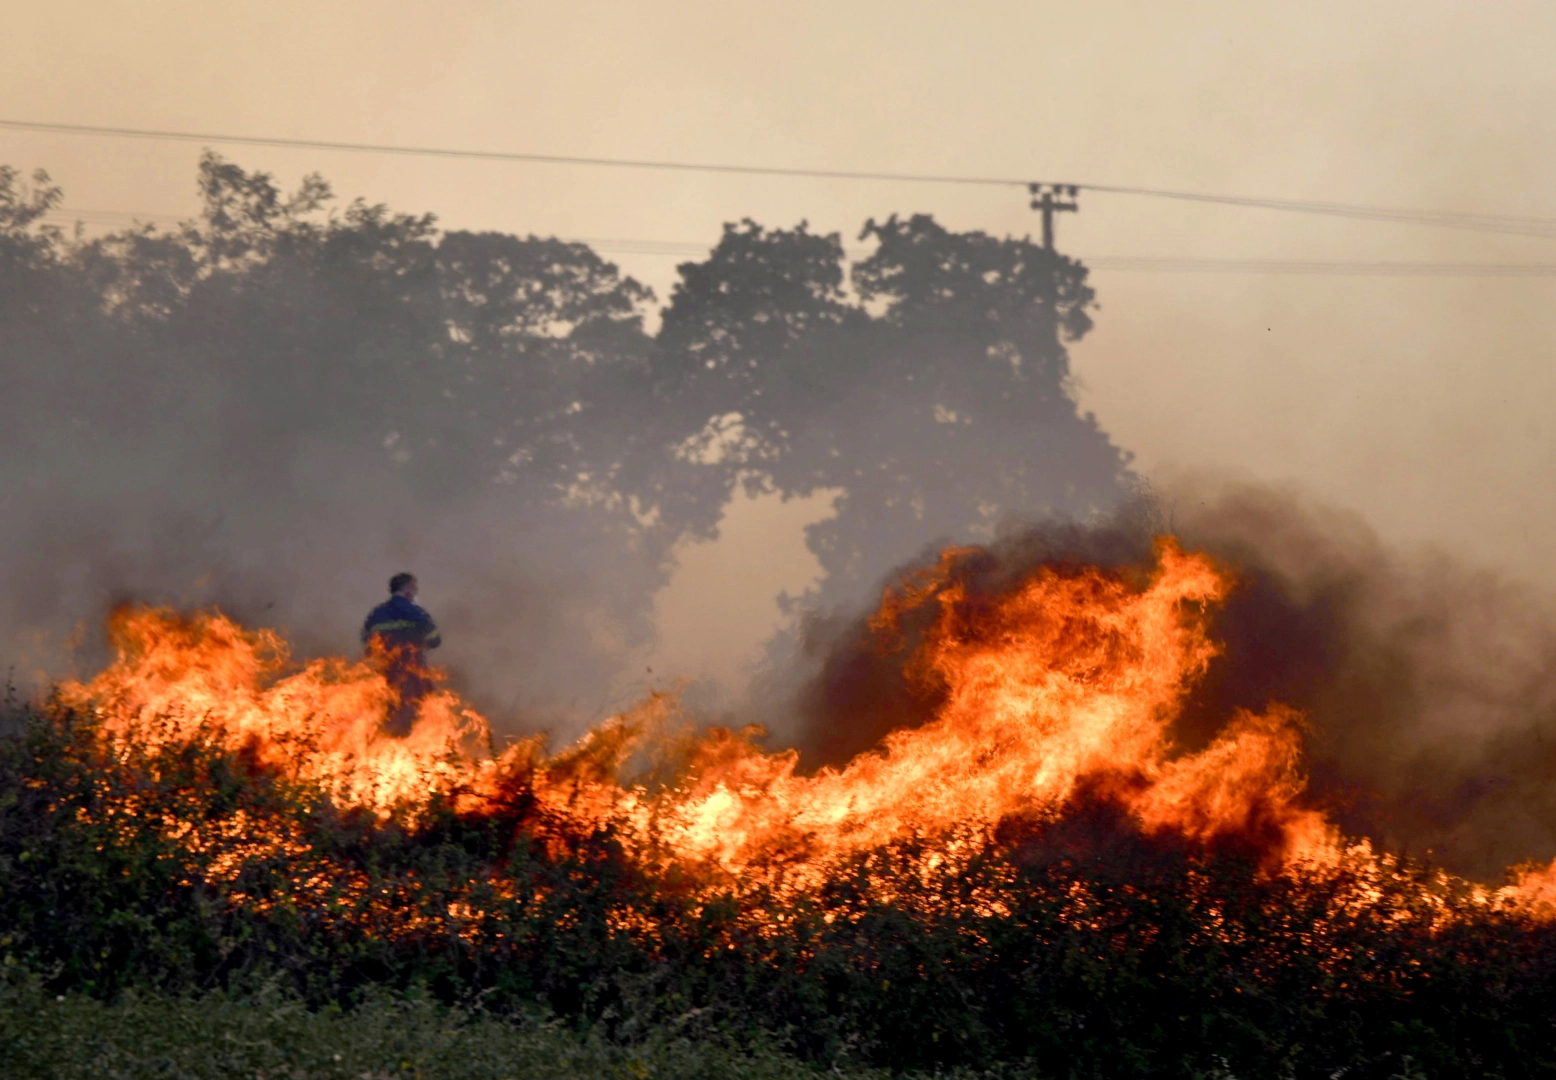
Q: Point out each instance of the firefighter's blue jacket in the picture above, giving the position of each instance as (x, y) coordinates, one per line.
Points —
(398, 621)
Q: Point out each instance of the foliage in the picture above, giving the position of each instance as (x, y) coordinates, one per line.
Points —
(926, 385)
(272, 1034)
(1075, 950)
(935, 399)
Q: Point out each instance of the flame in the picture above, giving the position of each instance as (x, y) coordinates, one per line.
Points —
(1069, 679)
(1053, 689)
(176, 678)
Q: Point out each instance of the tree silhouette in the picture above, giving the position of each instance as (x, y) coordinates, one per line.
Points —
(935, 397)
(212, 370)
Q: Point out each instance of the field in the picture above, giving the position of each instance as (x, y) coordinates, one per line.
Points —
(271, 1036)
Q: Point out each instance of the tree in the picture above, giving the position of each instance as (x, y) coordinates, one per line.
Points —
(282, 381)
(935, 399)
(542, 335)
(281, 367)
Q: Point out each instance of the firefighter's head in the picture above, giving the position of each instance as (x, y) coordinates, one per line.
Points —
(403, 585)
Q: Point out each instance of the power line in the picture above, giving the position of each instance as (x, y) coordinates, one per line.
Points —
(1173, 265)
(509, 156)
(1157, 264)
(1168, 264)
(1501, 223)
(1526, 226)
(1151, 264)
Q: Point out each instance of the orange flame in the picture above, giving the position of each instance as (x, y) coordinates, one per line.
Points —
(1068, 678)
(1063, 684)
(176, 677)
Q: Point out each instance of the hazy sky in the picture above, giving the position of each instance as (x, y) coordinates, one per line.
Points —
(1425, 404)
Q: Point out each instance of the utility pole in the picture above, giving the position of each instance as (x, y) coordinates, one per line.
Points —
(1049, 199)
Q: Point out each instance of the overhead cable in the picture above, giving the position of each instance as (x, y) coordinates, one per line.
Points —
(1500, 223)
(1152, 264)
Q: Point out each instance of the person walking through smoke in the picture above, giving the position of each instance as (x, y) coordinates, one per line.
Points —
(397, 634)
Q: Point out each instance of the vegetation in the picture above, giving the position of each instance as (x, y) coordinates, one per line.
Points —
(1073, 950)
(278, 342)
(277, 371)
(217, 1037)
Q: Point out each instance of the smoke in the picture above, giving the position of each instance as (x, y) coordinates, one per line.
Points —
(241, 452)
(529, 608)
(1429, 686)
(276, 406)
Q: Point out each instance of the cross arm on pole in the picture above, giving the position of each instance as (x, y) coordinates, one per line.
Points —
(1052, 199)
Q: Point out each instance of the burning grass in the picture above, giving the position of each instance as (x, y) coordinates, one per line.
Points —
(1034, 874)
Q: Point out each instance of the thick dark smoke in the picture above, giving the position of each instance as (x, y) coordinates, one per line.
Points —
(1430, 687)
(278, 406)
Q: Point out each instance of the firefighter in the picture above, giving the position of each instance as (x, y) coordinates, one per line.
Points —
(396, 634)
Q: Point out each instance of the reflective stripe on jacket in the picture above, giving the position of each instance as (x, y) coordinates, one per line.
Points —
(399, 621)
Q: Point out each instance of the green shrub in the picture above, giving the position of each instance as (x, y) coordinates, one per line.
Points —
(274, 1037)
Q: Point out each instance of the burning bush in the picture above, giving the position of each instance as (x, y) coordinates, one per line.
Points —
(1033, 872)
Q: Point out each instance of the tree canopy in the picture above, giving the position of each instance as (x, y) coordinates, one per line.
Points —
(933, 394)
(926, 384)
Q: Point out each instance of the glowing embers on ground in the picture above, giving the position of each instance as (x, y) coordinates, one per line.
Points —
(1056, 688)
